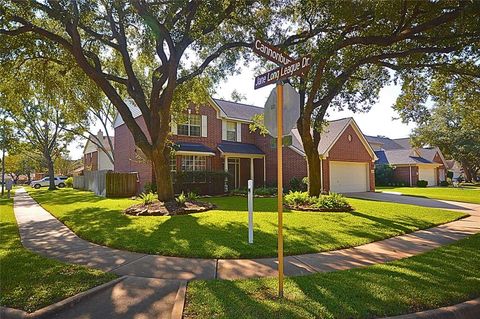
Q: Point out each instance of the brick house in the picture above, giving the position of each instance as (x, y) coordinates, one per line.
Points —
(216, 137)
(410, 164)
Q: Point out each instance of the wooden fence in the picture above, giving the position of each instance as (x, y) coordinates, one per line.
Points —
(107, 183)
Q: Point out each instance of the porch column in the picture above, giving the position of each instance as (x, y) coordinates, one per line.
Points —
(252, 173)
(225, 186)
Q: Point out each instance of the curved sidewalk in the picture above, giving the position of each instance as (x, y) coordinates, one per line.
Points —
(44, 234)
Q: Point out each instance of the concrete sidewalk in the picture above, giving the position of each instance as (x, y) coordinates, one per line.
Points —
(44, 234)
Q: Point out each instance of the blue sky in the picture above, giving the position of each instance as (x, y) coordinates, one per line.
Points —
(378, 121)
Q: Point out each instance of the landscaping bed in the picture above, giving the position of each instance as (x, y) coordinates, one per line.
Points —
(323, 203)
(172, 208)
(30, 281)
(223, 232)
(442, 277)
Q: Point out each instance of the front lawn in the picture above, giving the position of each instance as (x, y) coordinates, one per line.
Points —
(30, 281)
(222, 233)
(468, 194)
(444, 276)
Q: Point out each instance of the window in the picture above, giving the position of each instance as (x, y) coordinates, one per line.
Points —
(192, 163)
(231, 131)
(193, 126)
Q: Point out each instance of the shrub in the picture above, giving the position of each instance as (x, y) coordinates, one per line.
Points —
(191, 196)
(181, 199)
(69, 182)
(383, 175)
(297, 185)
(332, 201)
(150, 188)
(147, 198)
(239, 191)
(443, 183)
(450, 174)
(265, 191)
(422, 183)
(298, 199)
(305, 180)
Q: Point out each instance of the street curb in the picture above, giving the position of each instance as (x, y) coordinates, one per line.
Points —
(465, 310)
(49, 311)
(11, 313)
(177, 311)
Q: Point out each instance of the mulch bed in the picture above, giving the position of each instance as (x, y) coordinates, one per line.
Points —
(171, 208)
(316, 209)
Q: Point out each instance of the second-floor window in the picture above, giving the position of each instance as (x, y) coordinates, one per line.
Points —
(192, 127)
(231, 131)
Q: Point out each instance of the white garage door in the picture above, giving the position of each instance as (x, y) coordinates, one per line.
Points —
(348, 177)
(427, 174)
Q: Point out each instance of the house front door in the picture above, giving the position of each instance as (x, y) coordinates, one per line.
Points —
(234, 171)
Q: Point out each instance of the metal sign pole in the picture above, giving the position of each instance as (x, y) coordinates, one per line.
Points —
(280, 185)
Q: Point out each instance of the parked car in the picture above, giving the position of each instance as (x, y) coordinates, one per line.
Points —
(59, 181)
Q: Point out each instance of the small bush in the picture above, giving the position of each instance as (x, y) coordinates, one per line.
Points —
(444, 183)
(150, 188)
(296, 185)
(191, 196)
(265, 191)
(69, 182)
(298, 199)
(422, 183)
(239, 191)
(147, 198)
(181, 199)
(332, 201)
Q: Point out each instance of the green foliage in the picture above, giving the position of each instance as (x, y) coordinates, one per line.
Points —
(258, 124)
(296, 184)
(444, 183)
(422, 183)
(147, 198)
(209, 182)
(69, 182)
(383, 175)
(299, 199)
(150, 188)
(331, 201)
(265, 191)
(450, 174)
(191, 196)
(181, 199)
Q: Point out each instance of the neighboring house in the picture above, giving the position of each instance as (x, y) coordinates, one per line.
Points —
(94, 157)
(216, 137)
(455, 168)
(410, 164)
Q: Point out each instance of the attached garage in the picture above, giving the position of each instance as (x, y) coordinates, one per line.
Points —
(427, 174)
(349, 177)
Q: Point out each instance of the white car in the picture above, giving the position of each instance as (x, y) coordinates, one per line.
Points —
(59, 181)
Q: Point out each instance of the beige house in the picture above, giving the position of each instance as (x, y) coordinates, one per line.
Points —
(96, 158)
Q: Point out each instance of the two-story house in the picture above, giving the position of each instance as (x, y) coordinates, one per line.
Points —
(97, 158)
(216, 137)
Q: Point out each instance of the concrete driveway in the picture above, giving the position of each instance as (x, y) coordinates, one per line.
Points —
(412, 200)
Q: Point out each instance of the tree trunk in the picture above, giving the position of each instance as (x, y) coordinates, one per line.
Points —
(467, 172)
(3, 169)
(314, 173)
(51, 170)
(161, 167)
(29, 178)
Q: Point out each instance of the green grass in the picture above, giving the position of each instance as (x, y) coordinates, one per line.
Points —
(222, 233)
(30, 281)
(444, 276)
(468, 194)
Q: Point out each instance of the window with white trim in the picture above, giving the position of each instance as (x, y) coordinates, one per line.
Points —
(192, 127)
(193, 163)
(173, 164)
(231, 131)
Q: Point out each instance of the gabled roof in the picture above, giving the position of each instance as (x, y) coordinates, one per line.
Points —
(403, 142)
(387, 143)
(400, 157)
(239, 111)
(330, 135)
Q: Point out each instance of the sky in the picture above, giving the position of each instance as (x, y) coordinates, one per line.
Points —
(378, 121)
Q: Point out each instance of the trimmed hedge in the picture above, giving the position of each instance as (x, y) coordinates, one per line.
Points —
(332, 202)
(422, 183)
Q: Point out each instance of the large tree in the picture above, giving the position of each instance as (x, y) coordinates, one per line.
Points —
(152, 52)
(359, 47)
(452, 123)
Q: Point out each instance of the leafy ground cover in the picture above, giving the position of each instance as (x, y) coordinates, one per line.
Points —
(222, 233)
(444, 276)
(467, 194)
(30, 281)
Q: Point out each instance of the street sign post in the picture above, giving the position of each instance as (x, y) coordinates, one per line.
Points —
(288, 67)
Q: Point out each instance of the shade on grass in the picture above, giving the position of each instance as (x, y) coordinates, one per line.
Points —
(222, 233)
(444, 276)
(30, 281)
(469, 194)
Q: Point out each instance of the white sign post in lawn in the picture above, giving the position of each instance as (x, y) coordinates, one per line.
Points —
(250, 211)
